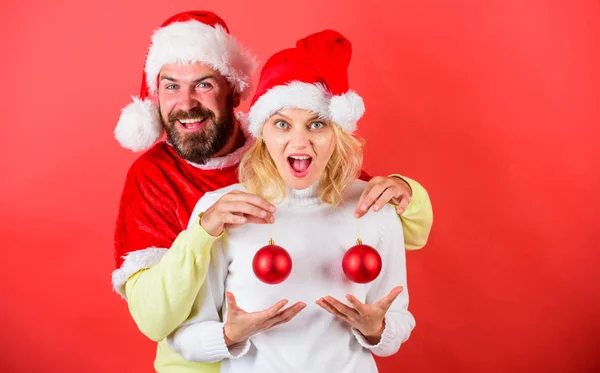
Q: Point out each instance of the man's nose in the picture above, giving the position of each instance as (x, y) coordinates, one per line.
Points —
(188, 101)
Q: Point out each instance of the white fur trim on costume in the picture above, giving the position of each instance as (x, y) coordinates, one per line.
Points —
(134, 262)
(235, 157)
(139, 125)
(344, 110)
(193, 41)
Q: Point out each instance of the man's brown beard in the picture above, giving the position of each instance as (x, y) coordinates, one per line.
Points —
(198, 147)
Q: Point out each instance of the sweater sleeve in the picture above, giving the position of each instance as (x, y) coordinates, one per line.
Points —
(399, 322)
(417, 219)
(201, 337)
(160, 298)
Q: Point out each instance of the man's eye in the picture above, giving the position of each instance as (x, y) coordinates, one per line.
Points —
(204, 85)
(281, 124)
(171, 86)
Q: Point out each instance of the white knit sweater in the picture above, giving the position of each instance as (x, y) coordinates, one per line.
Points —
(316, 235)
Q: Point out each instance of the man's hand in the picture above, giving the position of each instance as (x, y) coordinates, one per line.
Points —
(235, 209)
(366, 318)
(381, 190)
(241, 325)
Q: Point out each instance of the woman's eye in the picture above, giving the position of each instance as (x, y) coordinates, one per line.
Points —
(317, 125)
(281, 124)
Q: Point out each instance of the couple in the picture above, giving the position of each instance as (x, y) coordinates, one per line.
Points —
(298, 179)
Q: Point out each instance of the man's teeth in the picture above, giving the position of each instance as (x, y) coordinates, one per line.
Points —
(300, 157)
(193, 120)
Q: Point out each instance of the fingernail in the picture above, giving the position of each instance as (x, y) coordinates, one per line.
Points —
(376, 207)
(363, 207)
(263, 214)
(242, 220)
(272, 208)
(272, 219)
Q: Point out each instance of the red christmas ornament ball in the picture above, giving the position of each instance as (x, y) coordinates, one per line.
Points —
(361, 263)
(272, 264)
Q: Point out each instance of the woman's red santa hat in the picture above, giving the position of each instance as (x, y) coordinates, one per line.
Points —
(188, 37)
(311, 76)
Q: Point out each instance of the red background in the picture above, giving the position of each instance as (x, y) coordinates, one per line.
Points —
(492, 105)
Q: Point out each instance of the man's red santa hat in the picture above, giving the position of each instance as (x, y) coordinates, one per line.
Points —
(311, 76)
(188, 37)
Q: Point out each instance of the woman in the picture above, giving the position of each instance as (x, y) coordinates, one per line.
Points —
(306, 162)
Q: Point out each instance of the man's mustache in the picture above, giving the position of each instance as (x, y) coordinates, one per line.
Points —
(193, 113)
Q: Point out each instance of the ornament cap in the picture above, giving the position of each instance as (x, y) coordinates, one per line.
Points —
(271, 242)
(358, 241)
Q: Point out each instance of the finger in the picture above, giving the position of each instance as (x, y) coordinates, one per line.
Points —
(233, 219)
(384, 198)
(253, 200)
(243, 207)
(270, 219)
(350, 313)
(360, 307)
(361, 208)
(387, 301)
(332, 310)
(272, 311)
(231, 303)
(370, 197)
(285, 315)
(403, 204)
(250, 219)
(236, 225)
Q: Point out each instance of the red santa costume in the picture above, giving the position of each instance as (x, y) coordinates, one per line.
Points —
(161, 188)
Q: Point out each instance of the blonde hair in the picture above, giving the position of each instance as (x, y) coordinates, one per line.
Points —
(259, 175)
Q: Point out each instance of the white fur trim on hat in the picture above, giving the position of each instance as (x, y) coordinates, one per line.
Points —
(139, 125)
(347, 109)
(134, 262)
(193, 41)
(312, 97)
(344, 110)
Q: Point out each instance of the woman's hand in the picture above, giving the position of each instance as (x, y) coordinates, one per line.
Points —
(369, 319)
(241, 325)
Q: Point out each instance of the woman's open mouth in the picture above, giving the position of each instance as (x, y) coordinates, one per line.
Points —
(299, 164)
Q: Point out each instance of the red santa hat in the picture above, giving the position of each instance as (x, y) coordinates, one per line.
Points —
(188, 37)
(311, 76)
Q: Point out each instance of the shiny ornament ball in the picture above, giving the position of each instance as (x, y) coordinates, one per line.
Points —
(272, 264)
(361, 263)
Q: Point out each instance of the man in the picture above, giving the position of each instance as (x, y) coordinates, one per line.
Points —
(195, 75)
